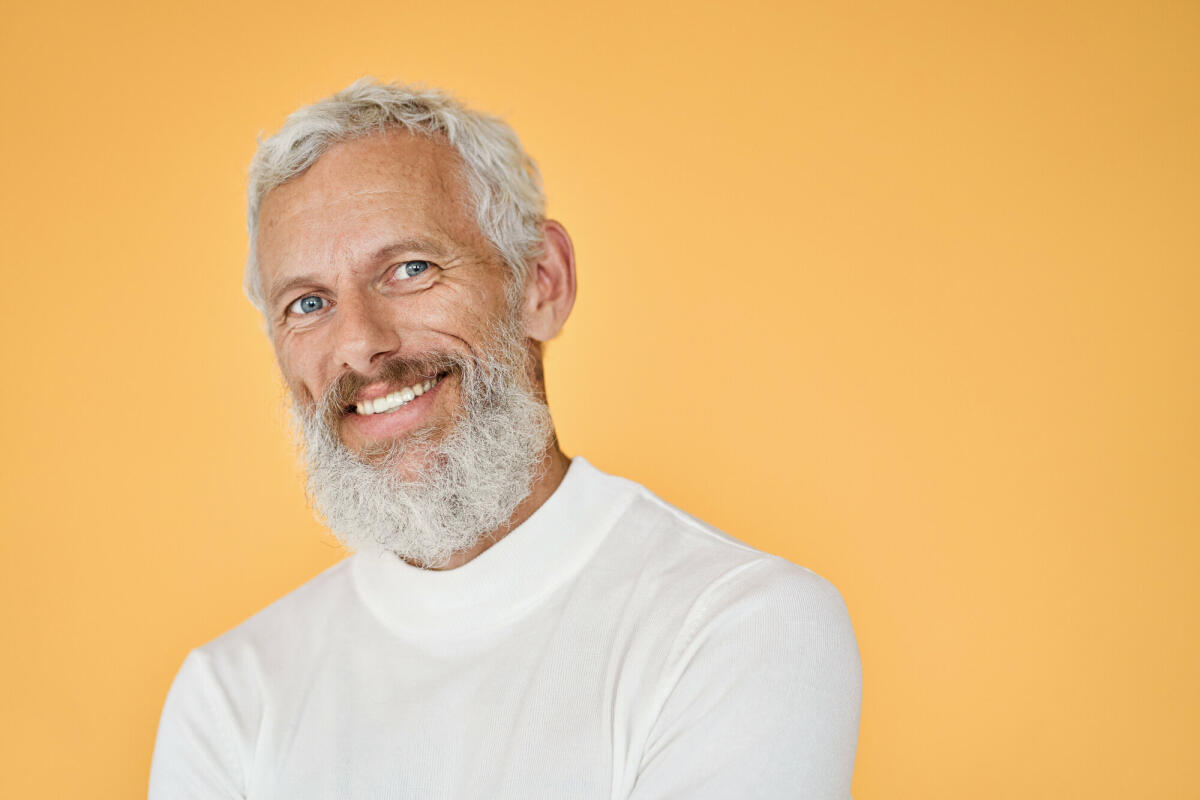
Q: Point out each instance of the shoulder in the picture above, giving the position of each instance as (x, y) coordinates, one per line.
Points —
(757, 680)
(220, 691)
(668, 536)
(720, 587)
(750, 604)
(274, 636)
(719, 567)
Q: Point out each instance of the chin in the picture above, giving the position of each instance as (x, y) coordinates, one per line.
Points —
(408, 456)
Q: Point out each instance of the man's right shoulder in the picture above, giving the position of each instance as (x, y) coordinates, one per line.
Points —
(214, 708)
(297, 621)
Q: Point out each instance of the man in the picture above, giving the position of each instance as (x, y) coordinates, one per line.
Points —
(513, 623)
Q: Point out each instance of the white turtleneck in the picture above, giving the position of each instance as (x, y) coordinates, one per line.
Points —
(610, 646)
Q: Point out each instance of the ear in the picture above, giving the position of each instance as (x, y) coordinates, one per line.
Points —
(550, 284)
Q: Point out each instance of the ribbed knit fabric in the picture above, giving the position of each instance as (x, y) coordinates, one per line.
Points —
(611, 646)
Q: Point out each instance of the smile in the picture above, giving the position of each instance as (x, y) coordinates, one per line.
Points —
(397, 399)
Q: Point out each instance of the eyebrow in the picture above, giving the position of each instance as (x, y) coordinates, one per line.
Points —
(412, 244)
(419, 244)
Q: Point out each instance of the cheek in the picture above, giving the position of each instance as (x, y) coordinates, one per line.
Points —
(458, 314)
(297, 370)
(490, 307)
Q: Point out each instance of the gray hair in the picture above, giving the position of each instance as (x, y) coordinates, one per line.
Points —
(506, 187)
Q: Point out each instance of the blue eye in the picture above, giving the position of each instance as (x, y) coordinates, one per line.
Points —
(307, 304)
(410, 269)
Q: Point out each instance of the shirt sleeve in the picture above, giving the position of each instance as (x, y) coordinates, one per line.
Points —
(200, 745)
(762, 693)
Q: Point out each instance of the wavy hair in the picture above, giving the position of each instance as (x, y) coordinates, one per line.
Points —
(505, 185)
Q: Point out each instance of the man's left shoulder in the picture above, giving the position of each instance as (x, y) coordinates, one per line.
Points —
(691, 551)
(759, 685)
(696, 577)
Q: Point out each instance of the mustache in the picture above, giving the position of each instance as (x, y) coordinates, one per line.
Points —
(479, 371)
(343, 391)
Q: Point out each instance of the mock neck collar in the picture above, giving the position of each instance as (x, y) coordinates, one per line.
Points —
(507, 579)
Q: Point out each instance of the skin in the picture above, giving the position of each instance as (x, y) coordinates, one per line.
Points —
(344, 232)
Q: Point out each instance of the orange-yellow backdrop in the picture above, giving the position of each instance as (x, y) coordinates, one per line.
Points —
(904, 292)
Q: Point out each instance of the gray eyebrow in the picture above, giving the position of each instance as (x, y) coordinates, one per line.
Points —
(408, 244)
(291, 283)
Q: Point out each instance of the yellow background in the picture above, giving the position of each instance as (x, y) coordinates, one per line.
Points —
(904, 292)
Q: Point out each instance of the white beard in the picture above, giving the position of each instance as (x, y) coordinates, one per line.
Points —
(467, 484)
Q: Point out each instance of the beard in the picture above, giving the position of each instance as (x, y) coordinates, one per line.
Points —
(423, 496)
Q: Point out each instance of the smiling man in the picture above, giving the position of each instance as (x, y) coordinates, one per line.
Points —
(513, 623)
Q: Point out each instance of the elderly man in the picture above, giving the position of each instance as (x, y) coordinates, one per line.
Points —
(513, 623)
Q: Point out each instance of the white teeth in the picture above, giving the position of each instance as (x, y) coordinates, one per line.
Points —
(394, 400)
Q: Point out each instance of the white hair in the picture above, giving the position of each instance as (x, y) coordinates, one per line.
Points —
(504, 181)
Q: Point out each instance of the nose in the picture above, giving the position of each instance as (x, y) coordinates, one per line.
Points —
(363, 333)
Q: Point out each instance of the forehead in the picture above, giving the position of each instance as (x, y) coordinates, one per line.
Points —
(386, 185)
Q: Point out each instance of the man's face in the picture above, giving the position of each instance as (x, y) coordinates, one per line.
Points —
(372, 265)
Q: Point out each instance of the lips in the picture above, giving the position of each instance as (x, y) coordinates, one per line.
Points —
(362, 426)
(384, 404)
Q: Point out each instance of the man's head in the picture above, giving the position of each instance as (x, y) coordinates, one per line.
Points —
(407, 276)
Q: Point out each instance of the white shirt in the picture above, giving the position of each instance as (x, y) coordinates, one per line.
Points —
(610, 646)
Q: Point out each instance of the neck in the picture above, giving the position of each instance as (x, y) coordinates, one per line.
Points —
(553, 469)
